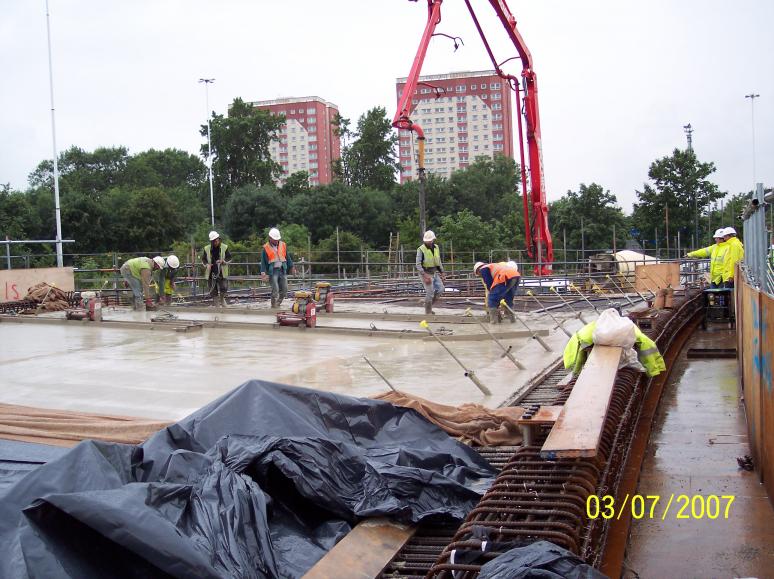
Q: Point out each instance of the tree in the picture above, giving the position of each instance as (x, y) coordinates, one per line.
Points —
(368, 155)
(588, 217)
(488, 187)
(467, 231)
(168, 168)
(140, 219)
(83, 172)
(240, 148)
(296, 184)
(680, 185)
(249, 209)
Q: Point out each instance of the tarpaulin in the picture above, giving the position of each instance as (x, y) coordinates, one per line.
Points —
(260, 483)
(540, 560)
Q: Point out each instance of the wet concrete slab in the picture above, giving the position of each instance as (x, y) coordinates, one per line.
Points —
(698, 433)
(168, 375)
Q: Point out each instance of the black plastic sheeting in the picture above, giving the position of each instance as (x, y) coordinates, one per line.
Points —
(260, 483)
(17, 459)
(540, 560)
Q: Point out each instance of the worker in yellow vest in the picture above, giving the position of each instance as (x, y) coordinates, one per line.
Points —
(430, 268)
(717, 256)
(577, 349)
(216, 257)
(137, 274)
(276, 263)
(734, 254)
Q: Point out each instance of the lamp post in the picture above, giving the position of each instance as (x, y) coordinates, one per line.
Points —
(688, 129)
(752, 97)
(207, 82)
(57, 211)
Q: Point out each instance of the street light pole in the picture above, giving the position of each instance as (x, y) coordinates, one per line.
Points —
(688, 129)
(752, 97)
(207, 82)
(57, 211)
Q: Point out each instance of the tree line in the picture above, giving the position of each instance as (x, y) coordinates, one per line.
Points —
(156, 200)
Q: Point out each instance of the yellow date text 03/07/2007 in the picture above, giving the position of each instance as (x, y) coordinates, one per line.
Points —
(658, 507)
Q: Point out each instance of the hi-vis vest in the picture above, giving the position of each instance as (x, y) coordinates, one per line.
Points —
(271, 253)
(208, 253)
(717, 254)
(430, 257)
(576, 351)
(501, 272)
(137, 264)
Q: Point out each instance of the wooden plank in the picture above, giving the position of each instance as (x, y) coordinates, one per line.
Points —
(578, 429)
(650, 277)
(15, 282)
(766, 365)
(364, 552)
(544, 415)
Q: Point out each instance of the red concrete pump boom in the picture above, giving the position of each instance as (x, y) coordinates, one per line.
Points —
(539, 243)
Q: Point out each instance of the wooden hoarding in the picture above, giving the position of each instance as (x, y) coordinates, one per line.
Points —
(650, 277)
(15, 282)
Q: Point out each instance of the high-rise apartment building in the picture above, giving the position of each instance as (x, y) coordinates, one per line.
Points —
(307, 141)
(464, 115)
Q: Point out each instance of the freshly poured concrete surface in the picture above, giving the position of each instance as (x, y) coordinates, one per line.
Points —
(168, 375)
(698, 433)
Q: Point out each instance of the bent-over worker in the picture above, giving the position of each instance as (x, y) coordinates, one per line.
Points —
(164, 279)
(430, 269)
(577, 349)
(500, 281)
(276, 262)
(137, 274)
(216, 258)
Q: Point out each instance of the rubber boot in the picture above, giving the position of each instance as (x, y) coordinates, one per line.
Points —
(149, 306)
(511, 317)
(273, 303)
(222, 300)
(429, 308)
(136, 304)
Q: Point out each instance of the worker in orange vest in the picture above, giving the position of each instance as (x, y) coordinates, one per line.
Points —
(500, 281)
(276, 263)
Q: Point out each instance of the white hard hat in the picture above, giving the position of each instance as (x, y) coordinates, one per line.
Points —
(478, 266)
(513, 265)
(173, 262)
(213, 235)
(275, 234)
(158, 260)
(429, 235)
(719, 233)
(729, 231)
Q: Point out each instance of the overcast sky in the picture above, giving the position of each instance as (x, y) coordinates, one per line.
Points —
(617, 79)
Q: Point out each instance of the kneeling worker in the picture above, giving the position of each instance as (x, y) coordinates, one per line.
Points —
(137, 274)
(577, 349)
(500, 281)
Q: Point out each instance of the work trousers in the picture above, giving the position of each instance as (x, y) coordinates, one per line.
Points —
(503, 291)
(218, 287)
(433, 289)
(279, 286)
(135, 285)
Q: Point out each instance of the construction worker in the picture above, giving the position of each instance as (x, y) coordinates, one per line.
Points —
(716, 254)
(577, 349)
(216, 258)
(430, 268)
(734, 254)
(275, 265)
(500, 281)
(137, 274)
(164, 279)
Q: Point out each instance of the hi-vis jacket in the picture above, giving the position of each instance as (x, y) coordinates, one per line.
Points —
(734, 254)
(717, 254)
(576, 350)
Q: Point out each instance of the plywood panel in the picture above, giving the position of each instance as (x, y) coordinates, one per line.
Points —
(364, 552)
(578, 429)
(750, 322)
(650, 277)
(765, 364)
(15, 282)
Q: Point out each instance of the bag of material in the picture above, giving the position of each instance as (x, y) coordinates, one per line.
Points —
(614, 330)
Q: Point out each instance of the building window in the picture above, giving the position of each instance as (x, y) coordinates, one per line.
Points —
(311, 120)
(460, 88)
(292, 111)
(483, 97)
(496, 96)
(312, 129)
(472, 87)
(497, 106)
(309, 111)
(312, 138)
(495, 86)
